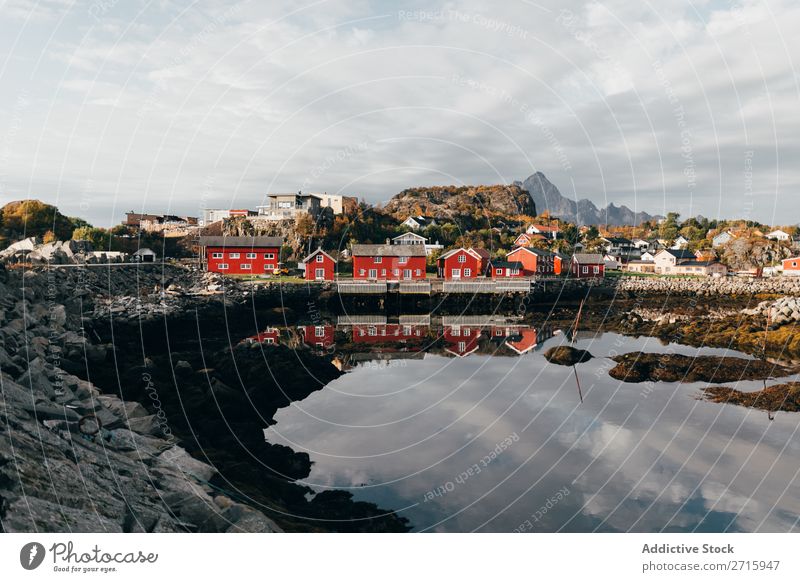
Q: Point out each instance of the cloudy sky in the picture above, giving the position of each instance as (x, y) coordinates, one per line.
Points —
(108, 106)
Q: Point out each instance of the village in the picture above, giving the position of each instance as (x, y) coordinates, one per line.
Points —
(504, 255)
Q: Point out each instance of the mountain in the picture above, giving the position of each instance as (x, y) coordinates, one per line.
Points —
(546, 196)
(499, 201)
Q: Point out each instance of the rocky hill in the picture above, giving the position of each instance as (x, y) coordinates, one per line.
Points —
(450, 202)
(546, 196)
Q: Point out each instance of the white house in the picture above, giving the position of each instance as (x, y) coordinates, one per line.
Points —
(648, 256)
(778, 235)
(665, 260)
(721, 239)
(412, 238)
(680, 242)
(418, 222)
(544, 230)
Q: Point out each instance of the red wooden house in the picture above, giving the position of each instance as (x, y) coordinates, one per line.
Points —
(463, 263)
(389, 262)
(270, 336)
(241, 255)
(320, 266)
(588, 265)
(534, 261)
(388, 333)
(503, 269)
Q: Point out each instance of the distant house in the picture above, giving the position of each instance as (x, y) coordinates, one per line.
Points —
(144, 255)
(666, 259)
(544, 230)
(703, 268)
(588, 265)
(527, 239)
(388, 262)
(418, 222)
(641, 244)
(534, 261)
(241, 255)
(612, 262)
(615, 245)
(461, 341)
(779, 235)
(320, 266)
(560, 264)
(647, 256)
(504, 269)
(680, 242)
(791, 267)
(722, 239)
(463, 263)
(412, 238)
(705, 254)
(641, 266)
(290, 206)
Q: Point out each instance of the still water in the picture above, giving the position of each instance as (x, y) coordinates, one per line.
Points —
(498, 439)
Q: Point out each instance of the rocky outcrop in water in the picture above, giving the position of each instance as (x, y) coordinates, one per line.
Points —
(567, 356)
(642, 367)
(785, 397)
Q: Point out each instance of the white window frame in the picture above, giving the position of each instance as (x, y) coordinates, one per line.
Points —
(407, 273)
(246, 266)
(319, 331)
(373, 273)
(269, 267)
(467, 273)
(222, 266)
(234, 255)
(402, 260)
(462, 258)
(269, 256)
(319, 273)
(377, 260)
(455, 273)
(217, 255)
(250, 256)
(320, 258)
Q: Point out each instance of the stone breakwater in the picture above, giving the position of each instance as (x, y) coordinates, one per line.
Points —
(783, 311)
(73, 459)
(708, 286)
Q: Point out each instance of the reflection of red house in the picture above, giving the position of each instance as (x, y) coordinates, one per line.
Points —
(241, 255)
(461, 340)
(388, 333)
(588, 265)
(524, 341)
(534, 261)
(318, 336)
(270, 336)
(320, 266)
(389, 262)
(463, 263)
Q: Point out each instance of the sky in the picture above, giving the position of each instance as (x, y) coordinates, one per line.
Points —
(688, 106)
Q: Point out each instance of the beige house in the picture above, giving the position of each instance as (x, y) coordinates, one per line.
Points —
(641, 267)
(665, 260)
(701, 268)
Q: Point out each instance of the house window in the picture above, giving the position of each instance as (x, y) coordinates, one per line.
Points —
(468, 272)
(467, 332)
(234, 255)
(373, 273)
(498, 272)
(596, 270)
(250, 255)
(319, 331)
(378, 260)
(462, 346)
(462, 258)
(319, 274)
(361, 272)
(406, 273)
(406, 330)
(320, 258)
(419, 272)
(222, 266)
(216, 255)
(396, 272)
(586, 269)
(455, 273)
(269, 255)
(515, 271)
(372, 331)
(402, 260)
(246, 266)
(269, 267)
(456, 332)
(383, 272)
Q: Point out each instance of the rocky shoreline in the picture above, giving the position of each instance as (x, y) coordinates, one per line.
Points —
(91, 441)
